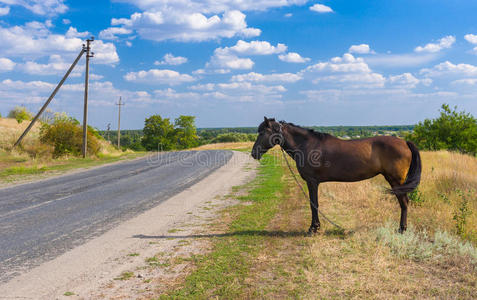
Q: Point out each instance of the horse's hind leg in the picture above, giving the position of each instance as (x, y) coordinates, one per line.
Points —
(313, 192)
(403, 203)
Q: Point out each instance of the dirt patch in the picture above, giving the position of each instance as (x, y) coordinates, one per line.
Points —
(143, 255)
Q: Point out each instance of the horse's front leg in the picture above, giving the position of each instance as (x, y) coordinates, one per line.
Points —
(313, 191)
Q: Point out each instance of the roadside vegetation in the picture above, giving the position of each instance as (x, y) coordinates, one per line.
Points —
(52, 146)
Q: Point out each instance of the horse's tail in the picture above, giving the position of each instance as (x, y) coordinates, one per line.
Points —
(413, 175)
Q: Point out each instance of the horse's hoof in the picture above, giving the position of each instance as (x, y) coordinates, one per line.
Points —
(402, 230)
(312, 230)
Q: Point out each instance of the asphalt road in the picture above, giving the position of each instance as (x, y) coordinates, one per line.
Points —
(41, 220)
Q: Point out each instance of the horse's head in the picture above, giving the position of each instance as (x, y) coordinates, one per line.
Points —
(269, 135)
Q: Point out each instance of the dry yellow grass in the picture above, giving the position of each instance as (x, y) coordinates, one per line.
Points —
(354, 264)
(241, 145)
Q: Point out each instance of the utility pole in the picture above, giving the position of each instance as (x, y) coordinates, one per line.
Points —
(107, 134)
(119, 104)
(86, 81)
(50, 98)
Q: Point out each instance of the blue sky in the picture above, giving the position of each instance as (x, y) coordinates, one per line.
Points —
(229, 63)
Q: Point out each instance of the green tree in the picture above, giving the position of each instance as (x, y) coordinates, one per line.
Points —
(20, 114)
(452, 130)
(159, 134)
(185, 132)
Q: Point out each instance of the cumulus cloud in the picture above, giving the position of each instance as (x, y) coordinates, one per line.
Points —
(293, 57)
(405, 80)
(4, 11)
(40, 7)
(55, 65)
(244, 91)
(472, 38)
(112, 32)
(346, 71)
(158, 76)
(182, 26)
(320, 8)
(172, 60)
(443, 43)
(6, 64)
(228, 57)
(400, 60)
(360, 49)
(275, 77)
(212, 6)
(449, 69)
(35, 40)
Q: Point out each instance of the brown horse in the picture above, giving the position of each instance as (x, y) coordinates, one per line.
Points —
(321, 157)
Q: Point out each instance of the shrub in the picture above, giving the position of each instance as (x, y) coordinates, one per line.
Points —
(452, 130)
(20, 114)
(66, 136)
(462, 213)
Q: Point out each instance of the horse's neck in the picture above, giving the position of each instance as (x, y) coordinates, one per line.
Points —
(294, 139)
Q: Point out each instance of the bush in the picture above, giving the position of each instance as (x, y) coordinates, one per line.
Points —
(66, 136)
(20, 114)
(452, 130)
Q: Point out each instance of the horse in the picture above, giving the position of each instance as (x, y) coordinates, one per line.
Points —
(321, 157)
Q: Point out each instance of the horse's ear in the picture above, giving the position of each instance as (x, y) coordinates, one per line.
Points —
(266, 121)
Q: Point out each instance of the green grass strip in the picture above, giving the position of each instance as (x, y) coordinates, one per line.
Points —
(222, 273)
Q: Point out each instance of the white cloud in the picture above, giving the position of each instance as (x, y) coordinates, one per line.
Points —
(293, 57)
(34, 40)
(254, 48)
(4, 10)
(172, 60)
(66, 21)
(40, 7)
(360, 49)
(465, 81)
(174, 95)
(405, 80)
(288, 15)
(471, 38)
(183, 26)
(228, 57)
(6, 64)
(321, 8)
(400, 60)
(55, 65)
(111, 32)
(443, 43)
(169, 77)
(212, 6)
(275, 77)
(346, 71)
(449, 69)
(74, 33)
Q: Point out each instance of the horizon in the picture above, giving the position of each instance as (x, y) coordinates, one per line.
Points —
(326, 63)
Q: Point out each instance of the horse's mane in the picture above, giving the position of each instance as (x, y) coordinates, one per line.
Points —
(317, 134)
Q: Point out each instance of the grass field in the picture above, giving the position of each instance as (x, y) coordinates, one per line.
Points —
(264, 253)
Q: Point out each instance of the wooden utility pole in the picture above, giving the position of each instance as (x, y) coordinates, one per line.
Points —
(119, 104)
(50, 98)
(86, 82)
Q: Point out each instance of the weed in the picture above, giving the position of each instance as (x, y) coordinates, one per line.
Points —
(68, 294)
(462, 213)
(125, 276)
(416, 196)
(133, 254)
